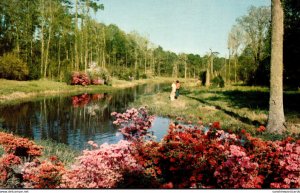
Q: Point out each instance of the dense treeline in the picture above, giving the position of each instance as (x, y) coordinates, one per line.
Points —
(56, 37)
(50, 39)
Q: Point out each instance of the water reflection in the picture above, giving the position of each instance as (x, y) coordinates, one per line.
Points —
(73, 120)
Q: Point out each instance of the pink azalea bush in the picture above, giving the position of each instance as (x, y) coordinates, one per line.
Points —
(238, 171)
(101, 167)
(80, 78)
(133, 123)
(45, 174)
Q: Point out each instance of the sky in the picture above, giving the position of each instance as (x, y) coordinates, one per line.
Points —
(188, 26)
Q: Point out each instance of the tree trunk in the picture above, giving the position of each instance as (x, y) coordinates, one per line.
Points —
(76, 37)
(42, 38)
(225, 79)
(185, 67)
(235, 63)
(104, 47)
(47, 52)
(207, 78)
(276, 118)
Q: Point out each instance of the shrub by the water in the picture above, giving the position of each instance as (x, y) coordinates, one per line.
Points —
(12, 67)
(80, 78)
(98, 75)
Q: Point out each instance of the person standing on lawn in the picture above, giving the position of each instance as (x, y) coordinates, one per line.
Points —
(173, 91)
(177, 89)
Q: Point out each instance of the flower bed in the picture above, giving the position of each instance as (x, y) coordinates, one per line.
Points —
(189, 156)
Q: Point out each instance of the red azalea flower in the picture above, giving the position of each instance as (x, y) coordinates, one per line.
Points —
(261, 129)
(192, 178)
(200, 177)
(216, 125)
(168, 185)
(172, 168)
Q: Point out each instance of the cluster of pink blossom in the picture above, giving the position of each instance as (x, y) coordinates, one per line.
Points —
(101, 167)
(238, 171)
(288, 168)
(80, 78)
(133, 123)
(45, 174)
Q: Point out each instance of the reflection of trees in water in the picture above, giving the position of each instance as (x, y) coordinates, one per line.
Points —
(71, 120)
(12, 116)
(56, 118)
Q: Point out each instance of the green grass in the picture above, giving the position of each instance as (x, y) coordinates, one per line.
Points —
(189, 109)
(235, 107)
(248, 103)
(65, 153)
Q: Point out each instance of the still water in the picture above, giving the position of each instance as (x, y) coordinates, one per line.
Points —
(74, 120)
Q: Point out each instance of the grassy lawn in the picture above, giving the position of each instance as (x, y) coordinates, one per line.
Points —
(235, 107)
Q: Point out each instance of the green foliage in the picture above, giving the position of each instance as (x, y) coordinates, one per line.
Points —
(137, 75)
(144, 76)
(12, 67)
(218, 81)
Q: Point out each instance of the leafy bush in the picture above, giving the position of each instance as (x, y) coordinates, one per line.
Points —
(122, 73)
(11, 67)
(98, 75)
(218, 81)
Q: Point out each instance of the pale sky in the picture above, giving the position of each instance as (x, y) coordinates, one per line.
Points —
(190, 26)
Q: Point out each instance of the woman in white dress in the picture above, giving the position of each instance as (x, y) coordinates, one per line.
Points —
(173, 92)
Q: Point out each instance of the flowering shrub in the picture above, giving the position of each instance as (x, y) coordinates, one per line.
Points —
(279, 161)
(101, 167)
(133, 123)
(46, 174)
(238, 171)
(80, 78)
(97, 81)
(8, 178)
(98, 75)
(288, 169)
(192, 156)
(19, 146)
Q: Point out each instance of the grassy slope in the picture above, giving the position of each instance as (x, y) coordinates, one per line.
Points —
(234, 107)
